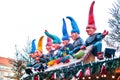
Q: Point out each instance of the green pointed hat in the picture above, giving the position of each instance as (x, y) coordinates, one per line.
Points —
(55, 39)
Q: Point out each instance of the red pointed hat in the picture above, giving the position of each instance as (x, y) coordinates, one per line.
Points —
(91, 21)
(49, 41)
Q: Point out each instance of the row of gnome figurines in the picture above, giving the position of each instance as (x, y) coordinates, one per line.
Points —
(82, 55)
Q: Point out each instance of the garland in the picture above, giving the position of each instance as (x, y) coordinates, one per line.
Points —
(68, 73)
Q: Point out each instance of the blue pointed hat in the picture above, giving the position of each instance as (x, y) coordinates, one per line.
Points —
(55, 39)
(33, 47)
(64, 31)
(74, 25)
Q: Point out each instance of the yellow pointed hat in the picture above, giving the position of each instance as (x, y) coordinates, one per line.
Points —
(39, 47)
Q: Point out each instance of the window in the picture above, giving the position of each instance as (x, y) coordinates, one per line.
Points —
(8, 74)
(1, 67)
(2, 73)
(8, 78)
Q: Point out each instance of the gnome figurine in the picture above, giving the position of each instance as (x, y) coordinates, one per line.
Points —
(67, 46)
(36, 53)
(55, 45)
(39, 51)
(33, 49)
(55, 41)
(94, 39)
(78, 41)
(50, 51)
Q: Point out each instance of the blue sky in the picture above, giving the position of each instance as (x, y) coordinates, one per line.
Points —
(20, 19)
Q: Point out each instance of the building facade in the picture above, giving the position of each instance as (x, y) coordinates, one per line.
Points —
(5, 69)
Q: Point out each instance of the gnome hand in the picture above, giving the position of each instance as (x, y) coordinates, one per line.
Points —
(82, 47)
(105, 32)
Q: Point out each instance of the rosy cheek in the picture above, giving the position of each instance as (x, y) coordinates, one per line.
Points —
(53, 46)
(72, 36)
(87, 29)
(62, 42)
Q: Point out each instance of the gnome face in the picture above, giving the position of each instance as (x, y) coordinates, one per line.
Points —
(56, 46)
(38, 53)
(48, 48)
(74, 35)
(65, 42)
(49, 44)
(32, 55)
(90, 29)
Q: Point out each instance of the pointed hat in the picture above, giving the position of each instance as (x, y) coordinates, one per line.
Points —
(39, 47)
(55, 39)
(74, 25)
(91, 21)
(49, 42)
(64, 31)
(33, 47)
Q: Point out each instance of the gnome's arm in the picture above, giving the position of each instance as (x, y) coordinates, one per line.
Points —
(58, 54)
(80, 42)
(100, 36)
(92, 39)
(76, 49)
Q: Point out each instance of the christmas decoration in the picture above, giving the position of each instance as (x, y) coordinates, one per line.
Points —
(36, 53)
(118, 70)
(87, 72)
(103, 70)
(86, 68)
(36, 77)
(53, 77)
(79, 74)
(111, 65)
(118, 78)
